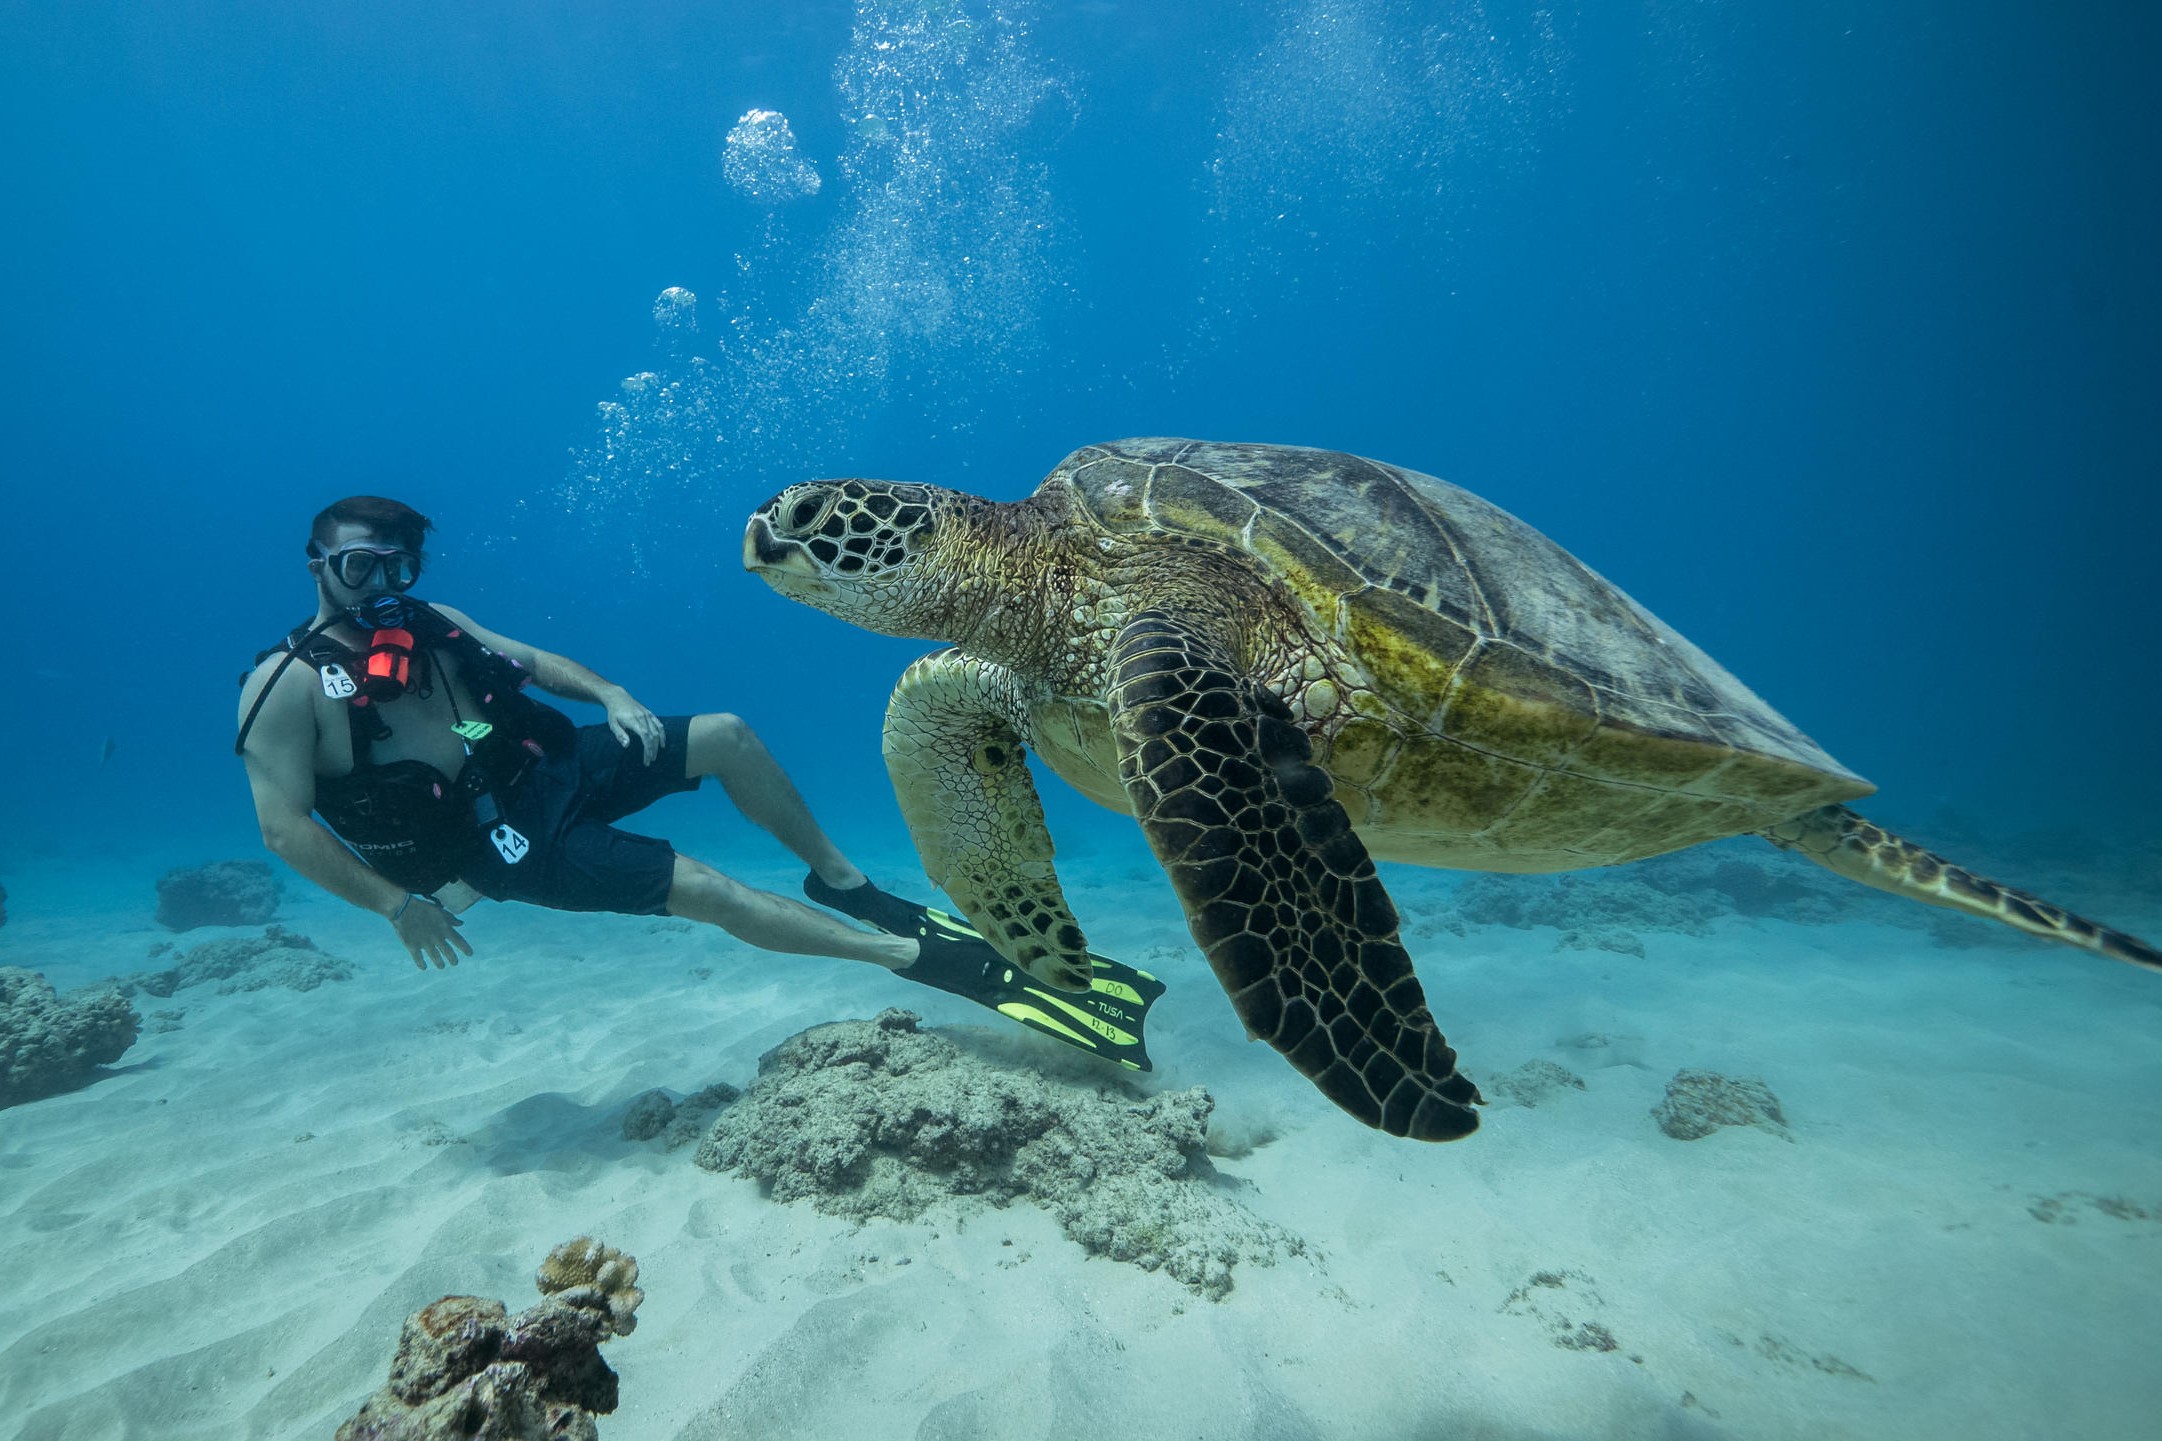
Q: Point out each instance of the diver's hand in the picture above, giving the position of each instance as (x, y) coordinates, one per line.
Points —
(429, 932)
(628, 719)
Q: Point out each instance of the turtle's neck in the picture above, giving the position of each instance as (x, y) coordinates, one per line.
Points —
(1020, 584)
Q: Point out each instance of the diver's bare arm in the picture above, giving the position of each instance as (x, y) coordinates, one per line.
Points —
(281, 772)
(556, 674)
(280, 757)
(310, 848)
(427, 931)
(560, 675)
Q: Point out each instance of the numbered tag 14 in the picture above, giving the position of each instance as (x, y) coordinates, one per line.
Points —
(508, 844)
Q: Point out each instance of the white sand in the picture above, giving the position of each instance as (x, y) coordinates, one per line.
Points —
(220, 1239)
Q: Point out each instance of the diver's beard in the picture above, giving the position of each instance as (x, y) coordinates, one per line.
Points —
(333, 604)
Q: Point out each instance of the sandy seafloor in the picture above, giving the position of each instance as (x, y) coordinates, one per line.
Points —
(1962, 1238)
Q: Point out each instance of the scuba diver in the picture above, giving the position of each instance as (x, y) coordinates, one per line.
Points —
(408, 730)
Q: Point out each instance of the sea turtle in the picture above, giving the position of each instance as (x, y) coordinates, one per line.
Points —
(1287, 663)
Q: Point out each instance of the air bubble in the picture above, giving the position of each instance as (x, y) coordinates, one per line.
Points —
(760, 160)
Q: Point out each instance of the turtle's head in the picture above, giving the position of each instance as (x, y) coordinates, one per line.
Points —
(868, 551)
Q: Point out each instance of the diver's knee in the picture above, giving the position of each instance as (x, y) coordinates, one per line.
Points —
(695, 887)
(715, 740)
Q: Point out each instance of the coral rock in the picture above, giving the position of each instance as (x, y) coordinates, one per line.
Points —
(879, 1118)
(467, 1370)
(1531, 1083)
(647, 1116)
(1607, 907)
(1686, 892)
(49, 1044)
(445, 1340)
(1698, 1103)
(586, 1273)
(278, 957)
(223, 893)
(677, 1123)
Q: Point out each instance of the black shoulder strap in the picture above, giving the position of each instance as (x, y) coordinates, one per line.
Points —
(293, 650)
(492, 670)
(431, 627)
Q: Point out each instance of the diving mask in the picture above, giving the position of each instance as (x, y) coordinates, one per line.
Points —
(358, 565)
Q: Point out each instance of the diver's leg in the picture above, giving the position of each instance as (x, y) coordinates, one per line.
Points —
(698, 892)
(724, 747)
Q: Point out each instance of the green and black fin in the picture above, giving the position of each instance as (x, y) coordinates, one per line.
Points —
(1106, 1020)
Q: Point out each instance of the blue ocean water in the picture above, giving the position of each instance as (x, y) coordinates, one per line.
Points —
(1830, 336)
(1830, 333)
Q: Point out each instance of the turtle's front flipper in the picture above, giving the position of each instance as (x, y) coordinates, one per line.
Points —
(1839, 840)
(960, 771)
(1278, 889)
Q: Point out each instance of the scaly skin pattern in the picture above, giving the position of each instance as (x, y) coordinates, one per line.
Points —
(960, 771)
(1278, 890)
(1839, 840)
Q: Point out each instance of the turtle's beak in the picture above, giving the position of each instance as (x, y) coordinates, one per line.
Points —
(765, 551)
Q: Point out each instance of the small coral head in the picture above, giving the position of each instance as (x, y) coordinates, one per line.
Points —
(868, 551)
(589, 1273)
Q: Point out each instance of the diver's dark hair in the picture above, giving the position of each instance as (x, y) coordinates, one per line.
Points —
(393, 520)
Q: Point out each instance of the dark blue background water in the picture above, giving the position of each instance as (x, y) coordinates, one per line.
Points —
(1831, 336)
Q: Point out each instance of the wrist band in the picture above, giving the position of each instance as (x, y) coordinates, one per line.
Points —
(410, 897)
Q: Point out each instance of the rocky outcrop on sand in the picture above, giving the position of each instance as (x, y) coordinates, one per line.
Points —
(1530, 1084)
(1698, 1103)
(223, 893)
(677, 1123)
(50, 1043)
(467, 1370)
(1609, 908)
(880, 1118)
(1593, 909)
(278, 957)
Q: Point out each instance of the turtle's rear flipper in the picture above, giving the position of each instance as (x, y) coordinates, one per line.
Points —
(1279, 891)
(1105, 1020)
(1839, 840)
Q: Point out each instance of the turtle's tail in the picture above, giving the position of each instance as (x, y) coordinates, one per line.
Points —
(1839, 840)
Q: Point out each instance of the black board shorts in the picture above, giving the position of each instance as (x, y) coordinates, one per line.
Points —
(578, 860)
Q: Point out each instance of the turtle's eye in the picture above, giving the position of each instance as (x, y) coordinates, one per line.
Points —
(803, 513)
